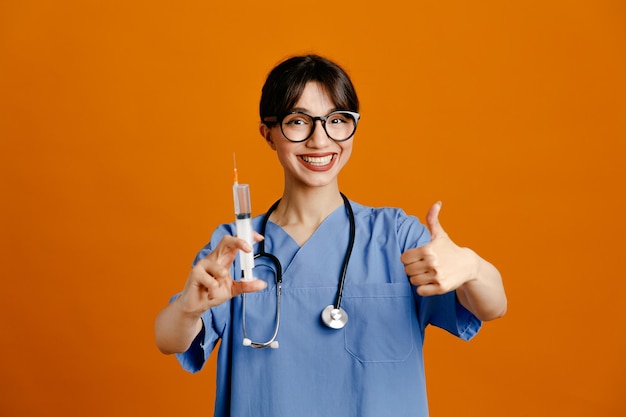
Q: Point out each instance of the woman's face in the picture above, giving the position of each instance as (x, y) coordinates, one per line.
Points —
(317, 161)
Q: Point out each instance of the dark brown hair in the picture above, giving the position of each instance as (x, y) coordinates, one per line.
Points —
(285, 83)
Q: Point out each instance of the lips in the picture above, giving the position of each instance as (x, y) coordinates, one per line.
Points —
(318, 162)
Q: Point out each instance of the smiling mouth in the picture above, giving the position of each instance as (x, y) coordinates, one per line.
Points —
(318, 161)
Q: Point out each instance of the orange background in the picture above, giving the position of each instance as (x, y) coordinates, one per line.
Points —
(118, 121)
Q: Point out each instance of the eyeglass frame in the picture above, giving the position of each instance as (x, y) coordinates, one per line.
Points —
(276, 119)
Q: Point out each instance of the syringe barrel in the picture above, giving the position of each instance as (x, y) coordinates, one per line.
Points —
(241, 196)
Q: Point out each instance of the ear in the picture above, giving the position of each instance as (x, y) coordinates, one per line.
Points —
(266, 132)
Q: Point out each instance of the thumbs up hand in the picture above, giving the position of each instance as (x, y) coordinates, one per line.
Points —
(439, 266)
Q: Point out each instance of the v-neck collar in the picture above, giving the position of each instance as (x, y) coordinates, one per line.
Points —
(334, 228)
(327, 219)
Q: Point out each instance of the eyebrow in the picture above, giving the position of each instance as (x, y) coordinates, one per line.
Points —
(303, 110)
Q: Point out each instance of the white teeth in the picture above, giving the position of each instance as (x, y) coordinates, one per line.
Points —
(317, 160)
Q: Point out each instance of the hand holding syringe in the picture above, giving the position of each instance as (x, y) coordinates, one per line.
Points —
(241, 195)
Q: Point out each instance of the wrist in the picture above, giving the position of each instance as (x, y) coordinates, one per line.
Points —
(473, 263)
(185, 311)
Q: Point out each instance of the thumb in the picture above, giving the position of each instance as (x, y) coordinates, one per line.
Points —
(240, 287)
(432, 221)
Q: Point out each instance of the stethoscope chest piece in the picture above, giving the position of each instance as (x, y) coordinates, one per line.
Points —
(335, 318)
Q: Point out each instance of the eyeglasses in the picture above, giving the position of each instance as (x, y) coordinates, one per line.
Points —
(299, 126)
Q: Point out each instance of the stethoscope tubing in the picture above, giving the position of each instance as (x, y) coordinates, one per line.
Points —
(272, 342)
(346, 259)
(278, 279)
(330, 311)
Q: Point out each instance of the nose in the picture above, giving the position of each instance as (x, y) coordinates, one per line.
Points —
(319, 138)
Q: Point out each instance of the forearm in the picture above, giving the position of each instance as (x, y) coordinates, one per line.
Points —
(176, 329)
(484, 295)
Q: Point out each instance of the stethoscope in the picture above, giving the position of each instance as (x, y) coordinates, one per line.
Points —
(333, 316)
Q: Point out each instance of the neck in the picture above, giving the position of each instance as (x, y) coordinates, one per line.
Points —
(306, 207)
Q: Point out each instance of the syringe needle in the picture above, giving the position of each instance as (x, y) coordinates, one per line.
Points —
(235, 172)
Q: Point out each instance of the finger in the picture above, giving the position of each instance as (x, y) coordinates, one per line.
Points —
(423, 278)
(212, 271)
(240, 287)
(414, 255)
(423, 254)
(429, 289)
(209, 266)
(228, 243)
(245, 246)
(233, 244)
(225, 252)
(420, 269)
(432, 221)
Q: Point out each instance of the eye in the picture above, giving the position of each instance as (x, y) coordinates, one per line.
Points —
(339, 118)
(296, 120)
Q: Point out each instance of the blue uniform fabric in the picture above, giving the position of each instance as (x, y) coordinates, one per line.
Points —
(372, 367)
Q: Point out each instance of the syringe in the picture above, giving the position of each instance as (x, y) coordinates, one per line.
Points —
(241, 195)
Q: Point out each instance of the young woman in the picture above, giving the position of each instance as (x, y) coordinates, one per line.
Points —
(347, 290)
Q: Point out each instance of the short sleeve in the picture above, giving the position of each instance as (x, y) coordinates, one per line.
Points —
(195, 357)
(446, 312)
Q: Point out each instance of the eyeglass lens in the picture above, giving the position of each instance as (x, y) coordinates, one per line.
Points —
(298, 127)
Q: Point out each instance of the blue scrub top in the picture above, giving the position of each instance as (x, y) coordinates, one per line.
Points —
(372, 367)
